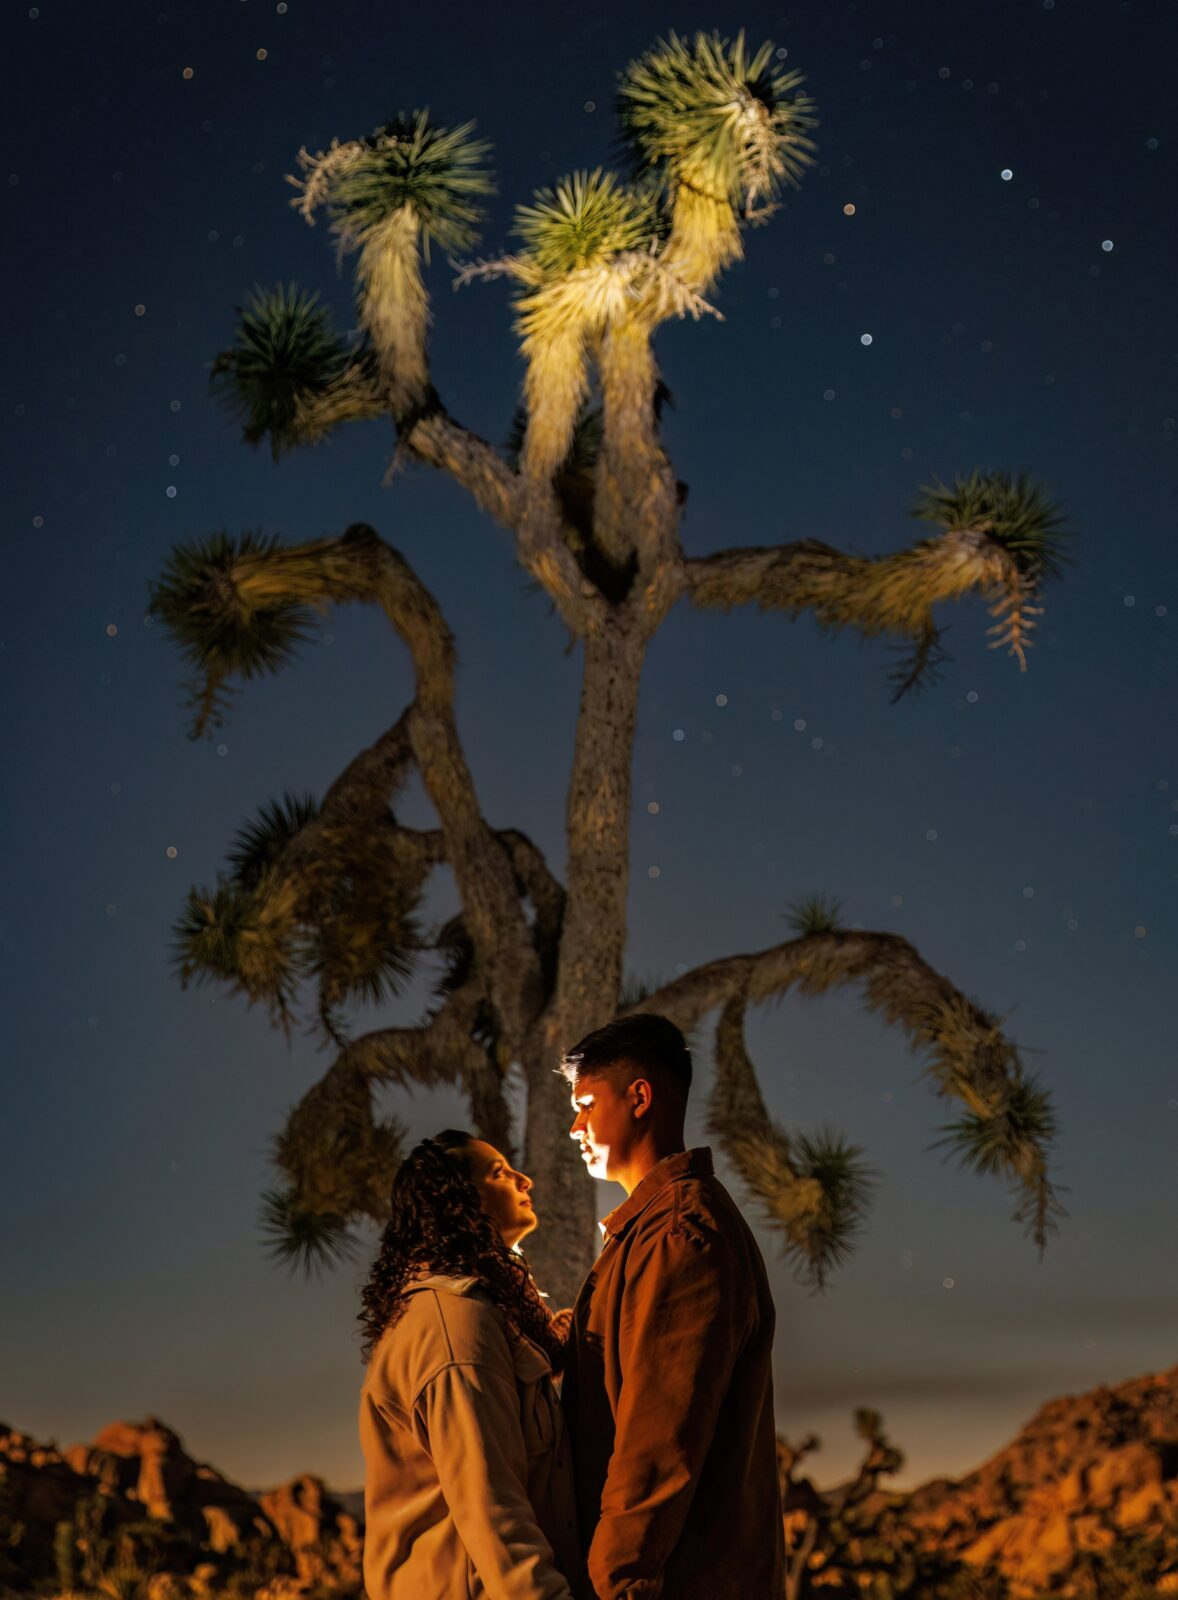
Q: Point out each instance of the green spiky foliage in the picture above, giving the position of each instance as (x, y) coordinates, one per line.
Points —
(814, 913)
(258, 844)
(410, 164)
(352, 933)
(813, 1191)
(710, 115)
(222, 636)
(390, 196)
(246, 938)
(288, 376)
(995, 1143)
(1008, 1142)
(338, 1161)
(1013, 512)
(585, 220)
(846, 1182)
(303, 1240)
(919, 665)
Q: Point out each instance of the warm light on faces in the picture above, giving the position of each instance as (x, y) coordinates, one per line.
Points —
(504, 1192)
(604, 1124)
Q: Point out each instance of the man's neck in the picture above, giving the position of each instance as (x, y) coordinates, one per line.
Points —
(645, 1160)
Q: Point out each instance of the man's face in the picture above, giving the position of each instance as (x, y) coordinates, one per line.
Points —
(604, 1125)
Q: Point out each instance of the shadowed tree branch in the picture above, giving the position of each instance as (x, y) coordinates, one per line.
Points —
(814, 1191)
(1008, 1124)
(1001, 538)
(216, 600)
(337, 1158)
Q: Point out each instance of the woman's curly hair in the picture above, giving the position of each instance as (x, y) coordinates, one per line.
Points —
(437, 1224)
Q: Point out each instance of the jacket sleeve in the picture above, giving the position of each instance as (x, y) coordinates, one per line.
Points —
(681, 1322)
(467, 1417)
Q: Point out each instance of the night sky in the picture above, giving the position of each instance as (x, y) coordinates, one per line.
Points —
(1011, 256)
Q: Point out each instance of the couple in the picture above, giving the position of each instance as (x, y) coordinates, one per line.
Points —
(654, 1473)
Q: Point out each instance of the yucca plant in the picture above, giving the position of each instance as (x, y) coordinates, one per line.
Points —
(409, 185)
(289, 377)
(318, 913)
(724, 129)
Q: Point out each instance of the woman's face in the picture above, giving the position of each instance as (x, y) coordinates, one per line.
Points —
(503, 1191)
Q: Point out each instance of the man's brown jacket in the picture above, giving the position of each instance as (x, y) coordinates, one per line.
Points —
(668, 1394)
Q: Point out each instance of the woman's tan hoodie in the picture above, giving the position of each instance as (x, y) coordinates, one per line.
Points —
(468, 1487)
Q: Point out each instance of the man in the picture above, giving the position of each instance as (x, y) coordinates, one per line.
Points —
(668, 1388)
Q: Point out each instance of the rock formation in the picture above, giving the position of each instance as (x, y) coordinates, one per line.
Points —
(135, 1498)
(1088, 1475)
(1083, 1503)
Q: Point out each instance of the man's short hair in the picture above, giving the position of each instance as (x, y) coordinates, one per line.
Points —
(644, 1042)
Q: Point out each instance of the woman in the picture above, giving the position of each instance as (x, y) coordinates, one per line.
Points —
(468, 1479)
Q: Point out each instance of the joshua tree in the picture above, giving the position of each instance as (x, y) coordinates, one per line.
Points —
(320, 904)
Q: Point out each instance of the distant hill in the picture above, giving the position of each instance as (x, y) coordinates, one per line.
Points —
(134, 1499)
(1083, 1502)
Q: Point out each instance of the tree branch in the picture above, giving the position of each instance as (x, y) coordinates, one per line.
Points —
(891, 594)
(814, 1192)
(437, 440)
(1008, 1124)
(535, 880)
(338, 1159)
(482, 871)
(532, 517)
(225, 599)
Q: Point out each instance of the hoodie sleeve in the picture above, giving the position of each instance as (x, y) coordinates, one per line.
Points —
(467, 1418)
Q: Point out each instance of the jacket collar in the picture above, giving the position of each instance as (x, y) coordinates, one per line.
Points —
(683, 1164)
(439, 1281)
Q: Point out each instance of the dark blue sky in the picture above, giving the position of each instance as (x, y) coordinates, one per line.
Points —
(1021, 830)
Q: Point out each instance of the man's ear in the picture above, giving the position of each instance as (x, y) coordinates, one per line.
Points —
(641, 1097)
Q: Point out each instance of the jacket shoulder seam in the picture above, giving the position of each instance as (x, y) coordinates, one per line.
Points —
(449, 1366)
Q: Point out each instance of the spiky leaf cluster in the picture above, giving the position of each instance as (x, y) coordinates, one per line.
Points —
(242, 937)
(258, 844)
(919, 665)
(286, 356)
(409, 165)
(998, 1143)
(300, 1239)
(1010, 1142)
(814, 1192)
(363, 936)
(1010, 510)
(220, 634)
(586, 220)
(275, 925)
(712, 116)
(846, 1183)
(814, 913)
(337, 1161)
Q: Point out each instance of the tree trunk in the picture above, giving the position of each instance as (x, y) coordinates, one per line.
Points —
(589, 976)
